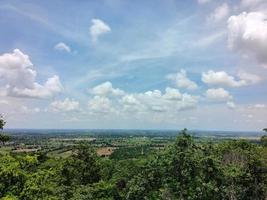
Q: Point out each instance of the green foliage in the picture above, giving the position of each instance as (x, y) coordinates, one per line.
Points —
(2, 122)
(12, 177)
(131, 152)
(100, 190)
(40, 185)
(9, 197)
(4, 138)
(184, 170)
(190, 170)
(264, 140)
(81, 168)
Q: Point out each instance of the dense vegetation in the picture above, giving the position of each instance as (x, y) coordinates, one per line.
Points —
(136, 170)
(184, 170)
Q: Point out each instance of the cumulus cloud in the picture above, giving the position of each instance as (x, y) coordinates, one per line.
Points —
(106, 89)
(219, 13)
(66, 105)
(170, 101)
(18, 78)
(107, 99)
(100, 104)
(130, 100)
(131, 104)
(62, 47)
(218, 94)
(172, 94)
(98, 28)
(247, 34)
(221, 78)
(182, 81)
(231, 105)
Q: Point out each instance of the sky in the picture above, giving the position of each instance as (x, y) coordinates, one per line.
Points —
(122, 64)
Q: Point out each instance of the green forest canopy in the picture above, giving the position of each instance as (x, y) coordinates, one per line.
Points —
(184, 170)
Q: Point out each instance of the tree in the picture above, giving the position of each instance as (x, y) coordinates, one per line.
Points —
(100, 190)
(81, 168)
(2, 122)
(3, 138)
(12, 177)
(264, 140)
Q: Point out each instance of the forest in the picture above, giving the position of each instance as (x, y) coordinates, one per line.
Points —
(185, 168)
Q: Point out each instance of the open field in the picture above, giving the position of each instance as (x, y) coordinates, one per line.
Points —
(59, 143)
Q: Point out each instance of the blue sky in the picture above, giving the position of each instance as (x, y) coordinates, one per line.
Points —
(200, 64)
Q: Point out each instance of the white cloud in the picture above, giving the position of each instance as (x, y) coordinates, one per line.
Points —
(249, 3)
(249, 78)
(203, 1)
(100, 104)
(131, 104)
(62, 47)
(172, 94)
(51, 87)
(106, 89)
(130, 100)
(219, 13)
(231, 105)
(260, 106)
(218, 94)
(148, 102)
(171, 101)
(26, 110)
(98, 28)
(247, 34)
(18, 78)
(66, 105)
(221, 78)
(182, 81)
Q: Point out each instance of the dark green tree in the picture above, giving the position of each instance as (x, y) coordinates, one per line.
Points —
(81, 168)
(264, 140)
(2, 122)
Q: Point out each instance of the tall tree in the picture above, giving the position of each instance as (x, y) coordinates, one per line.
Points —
(2, 122)
(3, 138)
